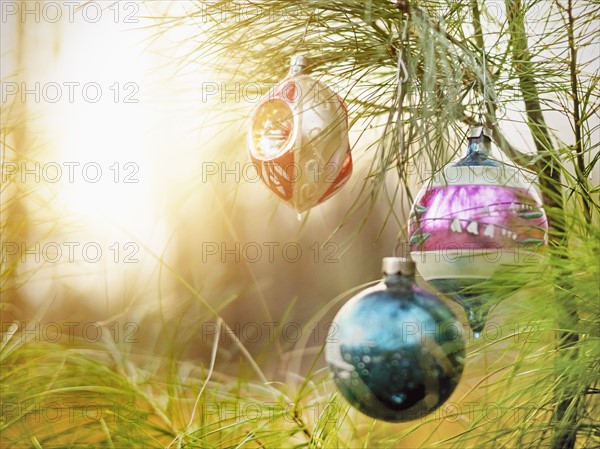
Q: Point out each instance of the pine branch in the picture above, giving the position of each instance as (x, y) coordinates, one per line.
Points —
(498, 137)
(577, 123)
(565, 414)
(491, 120)
(550, 178)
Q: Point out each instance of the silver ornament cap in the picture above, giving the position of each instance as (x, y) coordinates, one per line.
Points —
(398, 265)
(476, 132)
(481, 139)
(299, 64)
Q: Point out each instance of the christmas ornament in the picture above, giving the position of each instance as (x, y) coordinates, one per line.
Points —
(298, 139)
(476, 215)
(396, 352)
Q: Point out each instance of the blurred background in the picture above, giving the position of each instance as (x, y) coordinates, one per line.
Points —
(126, 170)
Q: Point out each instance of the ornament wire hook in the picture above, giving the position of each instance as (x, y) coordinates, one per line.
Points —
(402, 77)
(484, 87)
(488, 97)
(402, 71)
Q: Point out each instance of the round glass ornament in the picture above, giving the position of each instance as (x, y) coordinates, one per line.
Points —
(475, 215)
(395, 351)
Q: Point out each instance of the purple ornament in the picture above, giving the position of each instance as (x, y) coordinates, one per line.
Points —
(475, 215)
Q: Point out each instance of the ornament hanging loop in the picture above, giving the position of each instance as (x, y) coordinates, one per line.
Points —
(402, 71)
(484, 88)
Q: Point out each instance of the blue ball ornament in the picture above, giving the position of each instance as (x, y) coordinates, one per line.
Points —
(395, 351)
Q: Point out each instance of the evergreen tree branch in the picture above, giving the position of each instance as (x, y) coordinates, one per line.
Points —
(577, 122)
(491, 120)
(565, 414)
(547, 165)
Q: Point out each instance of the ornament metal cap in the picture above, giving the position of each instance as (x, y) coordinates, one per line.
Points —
(476, 132)
(398, 265)
(480, 140)
(299, 64)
